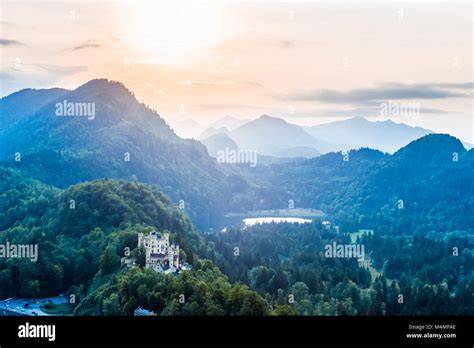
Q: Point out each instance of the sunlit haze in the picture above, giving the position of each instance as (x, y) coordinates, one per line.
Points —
(308, 62)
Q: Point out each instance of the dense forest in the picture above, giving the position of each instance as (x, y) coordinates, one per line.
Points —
(265, 269)
(82, 191)
(80, 250)
(426, 186)
(407, 276)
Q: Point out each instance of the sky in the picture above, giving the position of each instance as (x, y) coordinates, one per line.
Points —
(306, 62)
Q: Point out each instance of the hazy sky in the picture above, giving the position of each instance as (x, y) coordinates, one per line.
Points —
(308, 62)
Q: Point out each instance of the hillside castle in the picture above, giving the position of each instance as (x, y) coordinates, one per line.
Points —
(161, 256)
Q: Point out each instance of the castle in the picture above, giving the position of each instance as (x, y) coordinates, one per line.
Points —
(161, 256)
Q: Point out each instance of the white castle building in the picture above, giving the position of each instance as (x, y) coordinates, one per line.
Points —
(160, 255)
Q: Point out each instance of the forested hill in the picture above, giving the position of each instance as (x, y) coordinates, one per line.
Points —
(426, 186)
(124, 140)
(23, 103)
(81, 234)
(73, 227)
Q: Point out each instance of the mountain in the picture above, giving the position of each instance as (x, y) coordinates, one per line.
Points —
(187, 129)
(275, 137)
(81, 250)
(25, 102)
(424, 187)
(125, 140)
(358, 132)
(213, 131)
(219, 142)
(229, 122)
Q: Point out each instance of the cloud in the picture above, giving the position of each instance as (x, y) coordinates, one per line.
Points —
(436, 111)
(6, 42)
(62, 70)
(391, 91)
(86, 45)
(458, 85)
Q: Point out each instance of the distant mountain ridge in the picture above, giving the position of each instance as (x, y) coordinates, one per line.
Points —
(358, 132)
(288, 141)
(213, 131)
(187, 129)
(229, 122)
(272, 136)
(219, 142)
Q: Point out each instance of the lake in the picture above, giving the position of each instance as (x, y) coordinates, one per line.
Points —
(249, 218)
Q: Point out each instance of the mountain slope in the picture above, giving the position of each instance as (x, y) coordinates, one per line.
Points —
(219, 142)
(425, 186)
(358, 132)
(187, 129)
(125, 140)
(275, 137)
(81, 249)
(213, 131)
(18, 105)
(429, 183)
(72, 240)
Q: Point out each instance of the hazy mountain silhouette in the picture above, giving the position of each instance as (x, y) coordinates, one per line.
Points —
(358, 132)
(213, 131)
(219, 142)
(275, 137)
(229, 122)
(187, 128)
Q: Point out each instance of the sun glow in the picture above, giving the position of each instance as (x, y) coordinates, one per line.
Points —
(174, 33)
